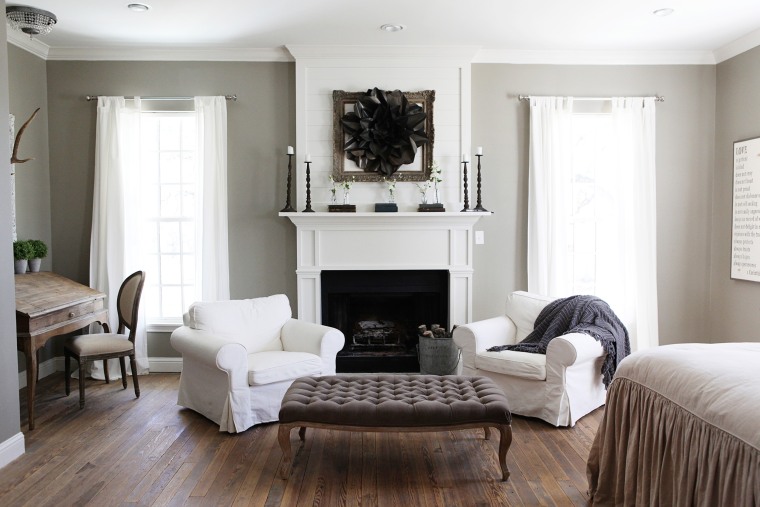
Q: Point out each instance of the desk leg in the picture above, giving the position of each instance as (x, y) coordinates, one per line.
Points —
(31, 379)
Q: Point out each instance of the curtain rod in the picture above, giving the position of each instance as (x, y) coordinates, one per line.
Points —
(657, 98)
(89, 98)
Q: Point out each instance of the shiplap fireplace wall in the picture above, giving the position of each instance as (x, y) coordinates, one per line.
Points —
(377, 241)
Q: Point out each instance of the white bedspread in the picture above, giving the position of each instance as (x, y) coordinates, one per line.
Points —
(719, 383)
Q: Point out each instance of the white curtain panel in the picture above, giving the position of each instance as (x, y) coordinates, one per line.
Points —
(212, 155)
(636, 252)
(113, 255)
(550, 176)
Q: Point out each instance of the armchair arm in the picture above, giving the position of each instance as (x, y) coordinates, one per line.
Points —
(210, 350)
(573, 348)
(483, 334)
(324, 341)
(477, 336)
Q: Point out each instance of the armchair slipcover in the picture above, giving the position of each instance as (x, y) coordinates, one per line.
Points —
(559, 387)
(239, 357)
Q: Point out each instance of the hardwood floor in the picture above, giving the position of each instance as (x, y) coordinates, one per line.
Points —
(148, 451)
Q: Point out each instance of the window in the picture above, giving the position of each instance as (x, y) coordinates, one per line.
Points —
(168, 176)
(591, 209)
(592, 203)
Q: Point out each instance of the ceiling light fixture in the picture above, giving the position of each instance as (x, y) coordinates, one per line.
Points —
(30, 20)
(663, 12)
(392, 28)
(138, 7)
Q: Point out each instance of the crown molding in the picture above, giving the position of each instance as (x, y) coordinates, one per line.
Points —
(173, 54)
(737, 47)
(28, 44)
(327, 52)
(592, 57)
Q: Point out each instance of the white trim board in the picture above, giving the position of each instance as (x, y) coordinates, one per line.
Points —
(56, 364)
(11, 449)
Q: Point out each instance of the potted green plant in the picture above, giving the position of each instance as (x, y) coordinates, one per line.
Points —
(22, 252)
(39, 252)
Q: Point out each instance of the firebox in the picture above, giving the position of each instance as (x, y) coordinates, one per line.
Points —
(379, 312)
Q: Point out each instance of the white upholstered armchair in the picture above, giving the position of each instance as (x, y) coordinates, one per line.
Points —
(559, 387)
(239, 357)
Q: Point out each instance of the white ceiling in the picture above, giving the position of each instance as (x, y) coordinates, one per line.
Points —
(604, 26)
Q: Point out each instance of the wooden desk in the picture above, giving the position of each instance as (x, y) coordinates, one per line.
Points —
(48, 305)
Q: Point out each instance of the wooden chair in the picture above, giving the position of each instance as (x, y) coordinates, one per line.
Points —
(107, 345)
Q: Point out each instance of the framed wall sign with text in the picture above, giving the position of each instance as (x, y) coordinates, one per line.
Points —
(745, 230)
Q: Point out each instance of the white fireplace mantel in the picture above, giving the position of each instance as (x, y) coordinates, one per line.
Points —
(385, 241)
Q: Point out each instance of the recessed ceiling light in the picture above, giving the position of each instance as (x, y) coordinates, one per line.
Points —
(392, 28)
(138, 7)
(663, 12)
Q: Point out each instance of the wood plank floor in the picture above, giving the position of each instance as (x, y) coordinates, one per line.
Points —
(125, 451)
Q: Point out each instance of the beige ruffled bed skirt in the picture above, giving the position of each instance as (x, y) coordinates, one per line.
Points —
(651, 452)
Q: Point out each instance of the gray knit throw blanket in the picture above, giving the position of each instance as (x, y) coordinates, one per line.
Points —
(578, 314)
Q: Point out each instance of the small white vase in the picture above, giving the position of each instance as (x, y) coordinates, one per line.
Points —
(20, 266)
(34, 265)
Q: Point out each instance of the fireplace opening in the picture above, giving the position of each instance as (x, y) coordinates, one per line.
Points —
(379, 311)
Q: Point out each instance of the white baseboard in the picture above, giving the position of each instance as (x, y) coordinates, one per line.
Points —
(165, 364)
(156, 365)
(46, 368)
(11, 449)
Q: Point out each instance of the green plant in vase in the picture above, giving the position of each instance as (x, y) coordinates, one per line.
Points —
(22, 252)
(39, 252)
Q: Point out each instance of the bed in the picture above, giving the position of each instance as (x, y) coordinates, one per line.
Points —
(681, 427)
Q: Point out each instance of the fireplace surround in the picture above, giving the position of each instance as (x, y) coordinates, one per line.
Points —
(363, 242)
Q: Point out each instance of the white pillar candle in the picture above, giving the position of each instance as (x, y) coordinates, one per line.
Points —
(465, 157)
(290, 150)
(307, 158)
(480, 150)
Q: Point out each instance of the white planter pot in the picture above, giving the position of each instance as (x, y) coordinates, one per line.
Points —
(20, 266)
(34, 265)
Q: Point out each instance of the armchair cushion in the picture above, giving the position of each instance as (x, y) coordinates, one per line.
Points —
(523, 308)
(275, 366)
(509, 362)
(255, 323)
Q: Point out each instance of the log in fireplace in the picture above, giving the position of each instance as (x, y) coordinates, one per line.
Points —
(379, 311)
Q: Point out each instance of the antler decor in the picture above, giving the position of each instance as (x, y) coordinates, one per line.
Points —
(384, 131)
(14, 155)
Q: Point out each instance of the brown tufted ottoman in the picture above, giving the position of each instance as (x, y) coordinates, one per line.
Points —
(394, 403)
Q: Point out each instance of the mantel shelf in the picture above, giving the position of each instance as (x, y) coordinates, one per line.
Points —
(400, 219)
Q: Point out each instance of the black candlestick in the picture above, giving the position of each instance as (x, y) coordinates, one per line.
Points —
(466, 198)
(308, 189)
(479, 206)
(288, 208)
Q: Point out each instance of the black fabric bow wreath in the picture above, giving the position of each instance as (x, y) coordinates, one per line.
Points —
(384, 131)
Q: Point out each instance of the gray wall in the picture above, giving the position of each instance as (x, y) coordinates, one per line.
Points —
(685, 129)
(9, 395)
(261, 124)
(26, 92)
(734, 304)
(263, 121)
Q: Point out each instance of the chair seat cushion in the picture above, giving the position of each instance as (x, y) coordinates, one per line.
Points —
(274, 366)
(510, 362)
(96, 344)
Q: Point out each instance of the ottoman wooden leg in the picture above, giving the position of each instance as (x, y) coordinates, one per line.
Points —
(283, 436)
(302, 434)
(504, 443)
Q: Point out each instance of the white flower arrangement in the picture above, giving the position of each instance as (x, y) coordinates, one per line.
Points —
(436, 177)
(391, 188)
(333, 190)
(423, 188)
(346, 184)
